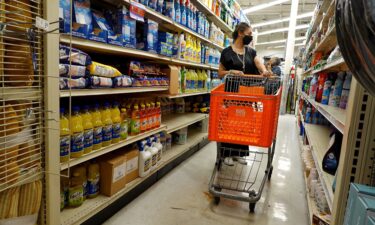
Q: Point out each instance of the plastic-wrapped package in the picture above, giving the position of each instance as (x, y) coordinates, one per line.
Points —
(335, 54)
(100, 82)
(101, 70)
(123, 81)
(74, 71)
(76, 56)
(67, 83)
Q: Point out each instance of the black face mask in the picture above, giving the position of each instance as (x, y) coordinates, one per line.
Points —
(247, 39)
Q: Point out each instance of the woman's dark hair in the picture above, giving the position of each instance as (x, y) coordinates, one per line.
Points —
(241, 27)
(275, 61)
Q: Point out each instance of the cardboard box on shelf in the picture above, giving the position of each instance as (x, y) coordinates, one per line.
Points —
(112, 174)
(174, 84)
(131, 165)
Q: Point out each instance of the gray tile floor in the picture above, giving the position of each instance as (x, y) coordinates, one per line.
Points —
(182, 198)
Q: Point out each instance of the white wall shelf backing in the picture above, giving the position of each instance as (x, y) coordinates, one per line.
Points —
(335, 115)
(318, 137)
(98, 47)
(92, 206)
(112, 147)
(109, 91)
(176, 122)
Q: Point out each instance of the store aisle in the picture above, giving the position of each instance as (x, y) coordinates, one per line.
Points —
(181, 197)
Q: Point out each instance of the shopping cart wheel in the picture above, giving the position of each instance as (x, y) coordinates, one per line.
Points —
(252, 207)
(270, 173)
(217, 200)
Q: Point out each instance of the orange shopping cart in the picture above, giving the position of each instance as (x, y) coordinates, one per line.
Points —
(244, 113)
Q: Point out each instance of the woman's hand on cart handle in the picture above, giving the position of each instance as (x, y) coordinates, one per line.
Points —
(236, 72)
(266, 73)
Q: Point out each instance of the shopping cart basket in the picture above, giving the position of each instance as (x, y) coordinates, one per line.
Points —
(244, 112)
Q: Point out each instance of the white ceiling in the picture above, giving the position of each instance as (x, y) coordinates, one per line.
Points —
(277, 12)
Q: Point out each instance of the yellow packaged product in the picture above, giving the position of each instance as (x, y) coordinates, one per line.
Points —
(9, 203)
(101, 70)
(30, 198)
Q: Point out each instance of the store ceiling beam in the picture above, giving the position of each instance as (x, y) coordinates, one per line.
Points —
(286, 19)
(263, 6)
(284, 29)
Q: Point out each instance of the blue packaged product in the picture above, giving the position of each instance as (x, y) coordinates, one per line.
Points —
(123, 81)
(100, 82)
(165, 37)
(177, 11)
(160, 6)
(76, 57)
(73, 71)
(153, 4)
(326, 91)
(175, 46)
(334, 99)
(169, 9)
(308, 114)
(100, 28)
(144, 2)
(183, 14)
(188, 16)
(82, 18)
(70, 83)
(64, 16)
(128, 28)
(151, 35)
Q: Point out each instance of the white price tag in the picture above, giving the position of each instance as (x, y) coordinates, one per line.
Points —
(41, 23)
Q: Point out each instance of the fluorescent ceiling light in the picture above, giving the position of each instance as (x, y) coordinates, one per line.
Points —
(305, 15)
(280, 41)
(263, 6)
(300, 27)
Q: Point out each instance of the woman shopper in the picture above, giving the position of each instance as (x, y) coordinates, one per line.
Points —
(239, 59)
(275, 66)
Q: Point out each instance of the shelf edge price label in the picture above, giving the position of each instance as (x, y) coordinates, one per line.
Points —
(137, 11)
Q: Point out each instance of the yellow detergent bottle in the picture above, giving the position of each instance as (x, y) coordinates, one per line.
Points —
(98, 127)
(64, 137)
(107, 124)
(135, 121)
(116, 122)
(124, 124)
(88, 130)
(189, 82)
(188, 48)
(77, 139)
(199, 50)
(196, 79)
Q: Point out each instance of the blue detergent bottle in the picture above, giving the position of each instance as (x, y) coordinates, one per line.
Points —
(183, 12)
(177, 11)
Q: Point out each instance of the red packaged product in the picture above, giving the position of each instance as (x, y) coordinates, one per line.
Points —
(319, 93)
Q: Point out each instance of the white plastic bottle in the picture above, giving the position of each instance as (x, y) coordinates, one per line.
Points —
(159, 147)
(144, 161)
(154, 155)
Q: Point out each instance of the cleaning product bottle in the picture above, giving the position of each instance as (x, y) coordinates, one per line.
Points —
(332, 157)
(116, 122)
(199, 51)
(107, 124)
(159, 147)
(75, 193)
(149, 116)
(183, 80)
(124, 124)
(177, 11)
(313, 87)
(334, 100)
(144, 160)
(154, 154)
(346, 90)
(143, 118)
(183, 12)
(182, 46)
(77, 138)
(196, 79)
(158, 114)
(208, 81)
(153, 115)
(98, 128)
(187, 8)
(88, 130)
(327, 90)
(64, 137)
(93, 180)
(135, 121)
(188, 48)
(319, 92)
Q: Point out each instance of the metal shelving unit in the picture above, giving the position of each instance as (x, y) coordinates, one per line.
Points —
(334, 115)
(318, 137)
